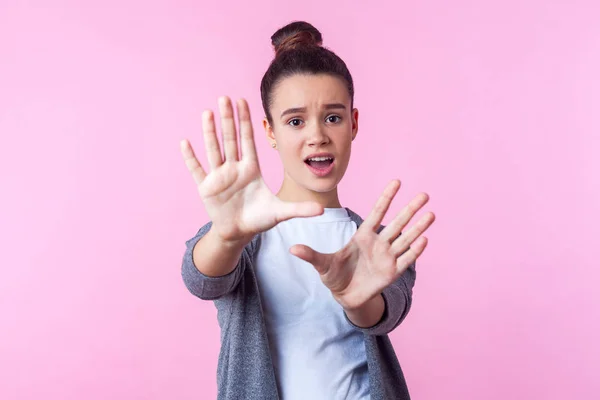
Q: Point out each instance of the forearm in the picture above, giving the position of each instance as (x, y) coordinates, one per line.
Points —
(369, 314)
(396, 299)
(214, 257)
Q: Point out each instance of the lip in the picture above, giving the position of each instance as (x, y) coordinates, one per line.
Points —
(320, 171)
(319, 155)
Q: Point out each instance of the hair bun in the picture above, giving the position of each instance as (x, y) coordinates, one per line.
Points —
(294, 35)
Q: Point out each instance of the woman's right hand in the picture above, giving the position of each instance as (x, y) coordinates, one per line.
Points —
(235, 196)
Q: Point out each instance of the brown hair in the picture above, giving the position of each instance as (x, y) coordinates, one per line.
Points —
(298, 50)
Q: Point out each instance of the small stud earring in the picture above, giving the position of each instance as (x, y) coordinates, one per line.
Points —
(273, 145)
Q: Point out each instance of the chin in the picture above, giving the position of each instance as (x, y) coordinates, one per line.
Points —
(322, 185)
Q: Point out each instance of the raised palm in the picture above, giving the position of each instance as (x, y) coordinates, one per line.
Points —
(235, 196)
(372, 261)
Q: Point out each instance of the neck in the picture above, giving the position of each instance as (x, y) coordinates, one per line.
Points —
(291, 192)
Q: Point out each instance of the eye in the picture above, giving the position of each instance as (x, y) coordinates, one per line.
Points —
(334, 118)
(294, 122)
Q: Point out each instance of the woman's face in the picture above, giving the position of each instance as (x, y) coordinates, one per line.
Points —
(313, 127)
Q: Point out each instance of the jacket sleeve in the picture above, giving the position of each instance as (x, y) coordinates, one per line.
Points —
(206, 287)
(398, 299)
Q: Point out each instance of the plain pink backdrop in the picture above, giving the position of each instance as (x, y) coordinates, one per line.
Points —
(491, 107)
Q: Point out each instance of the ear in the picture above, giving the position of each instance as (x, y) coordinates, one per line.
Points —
(354, 123)
(269, 131)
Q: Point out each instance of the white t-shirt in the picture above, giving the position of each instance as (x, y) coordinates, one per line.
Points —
(316, 353)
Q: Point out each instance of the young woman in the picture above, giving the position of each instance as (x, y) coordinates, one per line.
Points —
(306, 292)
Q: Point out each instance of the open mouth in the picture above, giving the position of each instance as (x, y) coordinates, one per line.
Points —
(319, 162)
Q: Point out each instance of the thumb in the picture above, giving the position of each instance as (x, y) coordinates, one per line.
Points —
(288, 210)
(319, 260)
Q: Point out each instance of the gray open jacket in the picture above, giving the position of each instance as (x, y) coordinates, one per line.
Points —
(245, 370)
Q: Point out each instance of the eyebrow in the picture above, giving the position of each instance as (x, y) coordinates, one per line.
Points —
(333, 106)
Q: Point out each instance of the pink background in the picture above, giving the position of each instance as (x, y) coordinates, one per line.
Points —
(493, 108)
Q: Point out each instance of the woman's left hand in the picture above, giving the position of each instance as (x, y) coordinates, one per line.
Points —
(372, 261)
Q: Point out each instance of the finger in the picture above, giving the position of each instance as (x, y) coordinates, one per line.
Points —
(410, 256)
(228, 129)
(191, 161)
(246, 132)
(287, 210)
(213, 151)
(318, 260)
(383, 204)
(393, 229)
(402, 243)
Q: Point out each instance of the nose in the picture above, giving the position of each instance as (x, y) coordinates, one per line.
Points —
(317, 136)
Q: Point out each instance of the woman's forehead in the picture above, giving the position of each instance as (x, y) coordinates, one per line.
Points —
(309, 91)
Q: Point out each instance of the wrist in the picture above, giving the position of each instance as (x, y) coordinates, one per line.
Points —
(228, 243)
(368, 314)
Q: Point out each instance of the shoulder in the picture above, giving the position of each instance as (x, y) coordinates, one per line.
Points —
(354, 216)
(358, 219)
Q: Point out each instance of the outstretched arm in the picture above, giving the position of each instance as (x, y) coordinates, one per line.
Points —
(373, 275)
(237, 200)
